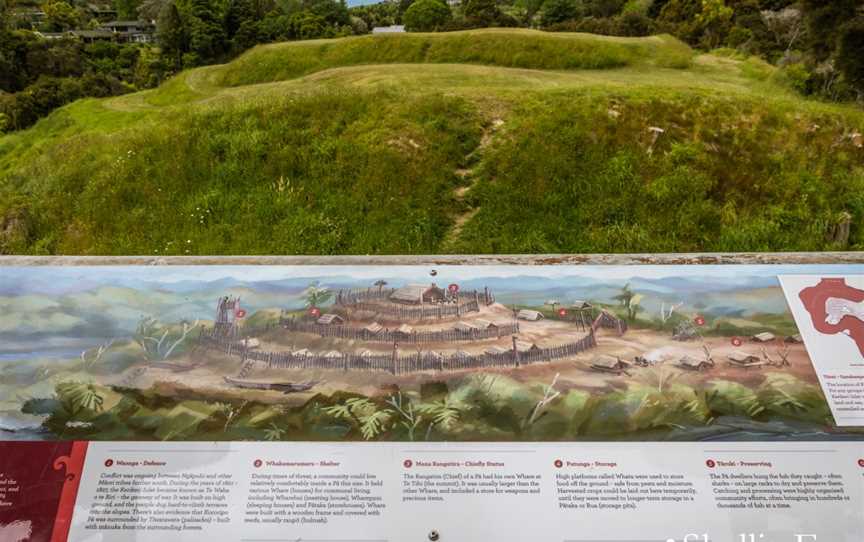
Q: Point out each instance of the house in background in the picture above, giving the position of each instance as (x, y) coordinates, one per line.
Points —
(131, 31)
(92, 36)
(392, 29)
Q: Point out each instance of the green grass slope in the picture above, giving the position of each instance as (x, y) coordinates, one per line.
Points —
(511, 48)
(482, 141)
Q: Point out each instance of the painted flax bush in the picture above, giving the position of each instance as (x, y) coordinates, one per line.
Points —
(478, 407)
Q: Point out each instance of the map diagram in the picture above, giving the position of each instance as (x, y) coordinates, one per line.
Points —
(835, 307)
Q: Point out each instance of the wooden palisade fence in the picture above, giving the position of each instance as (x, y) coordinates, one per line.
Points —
(370, 299)
(391, 336)
(399, 363)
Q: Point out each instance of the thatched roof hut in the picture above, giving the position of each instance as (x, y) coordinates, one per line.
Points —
(374, 328)
(527, 314)
(464, 327)
(742, 357)
(418, 294)
(693, 364)
(330, 319)
(609, 364)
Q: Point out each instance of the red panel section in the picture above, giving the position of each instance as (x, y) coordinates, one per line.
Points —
(73, 465)
(814, 299)
(36, 477)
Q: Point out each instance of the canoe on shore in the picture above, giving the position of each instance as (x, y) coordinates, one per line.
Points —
(284, 387)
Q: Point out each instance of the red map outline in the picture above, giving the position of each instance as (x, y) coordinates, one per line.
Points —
(814, 298)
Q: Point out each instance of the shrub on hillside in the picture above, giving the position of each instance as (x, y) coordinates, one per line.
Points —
(24, 108)
(558, 11)
(485, 13)
(426, 16)
(850, 54)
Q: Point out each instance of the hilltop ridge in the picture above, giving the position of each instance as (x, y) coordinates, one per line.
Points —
(475, 141)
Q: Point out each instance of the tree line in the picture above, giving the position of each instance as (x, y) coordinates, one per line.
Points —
(817, 44)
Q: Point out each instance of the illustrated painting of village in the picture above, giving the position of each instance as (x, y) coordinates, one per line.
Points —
(406, 353)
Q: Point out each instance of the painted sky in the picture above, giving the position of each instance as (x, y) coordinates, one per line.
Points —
(57, 279)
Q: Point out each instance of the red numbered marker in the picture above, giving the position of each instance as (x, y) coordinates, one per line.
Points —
(314, 312)
(736, 341)
(700, 320)
(453, 288)
(240, 313)
(562, 312)
(710, 464)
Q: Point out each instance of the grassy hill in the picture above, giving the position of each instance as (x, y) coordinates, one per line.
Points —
(479, 141)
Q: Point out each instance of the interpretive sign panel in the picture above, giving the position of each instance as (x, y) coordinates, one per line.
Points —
(510, 402)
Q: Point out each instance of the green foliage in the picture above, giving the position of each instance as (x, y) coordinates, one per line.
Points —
(481, 13)
(714, 20)
(471, 408)
(60, 16)
(824, 18)
(127, 10)
(784, 395)
(159, 342)
(274, 433)
(78, 398)
(558, 11)
(797, 76)
(24, 108)
(40, 75)
(727, 398)
(397, 414)
(850, 53)
(207, 37)
(170, 33)
(426, 16)
(316, 295)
